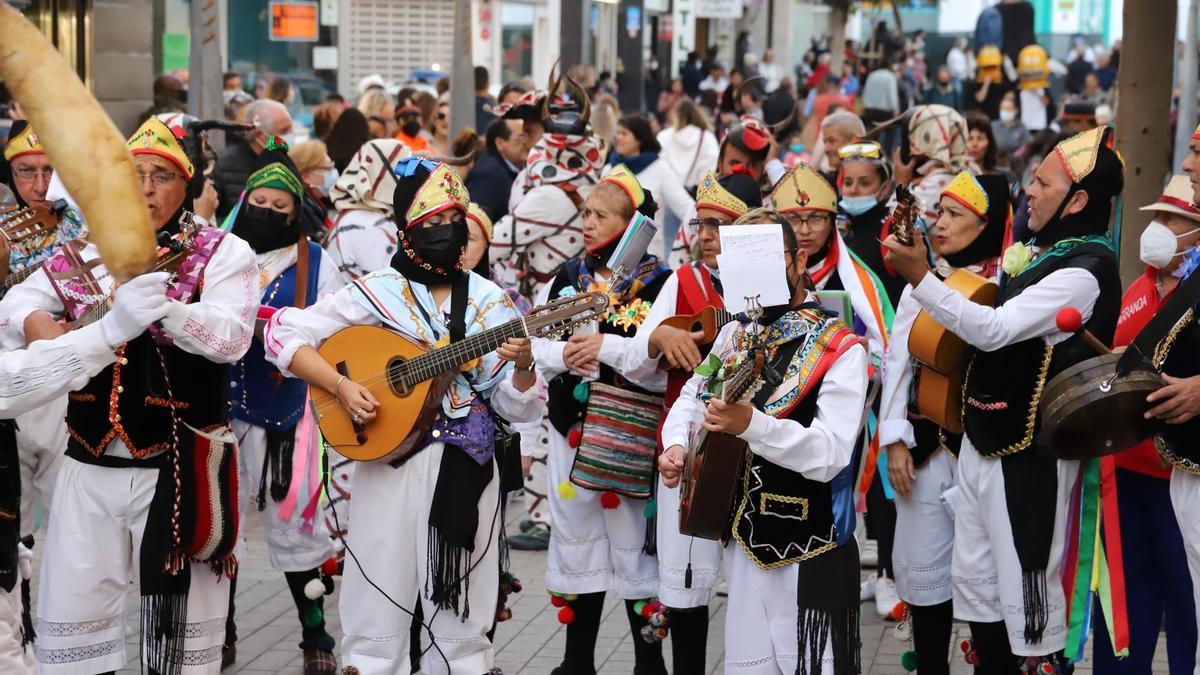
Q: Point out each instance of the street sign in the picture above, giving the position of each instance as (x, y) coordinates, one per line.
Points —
(718, 9)
(293, 21)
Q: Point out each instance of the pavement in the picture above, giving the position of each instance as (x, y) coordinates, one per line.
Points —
(530, 643)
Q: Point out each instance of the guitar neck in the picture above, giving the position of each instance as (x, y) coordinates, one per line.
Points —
(16, 278)
(97, 311)
(452, 356)
(724, 316)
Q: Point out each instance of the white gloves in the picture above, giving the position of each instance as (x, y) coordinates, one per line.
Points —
(139, 302)
(24, 561)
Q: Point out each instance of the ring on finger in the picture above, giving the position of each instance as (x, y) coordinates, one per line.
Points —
(356, 418)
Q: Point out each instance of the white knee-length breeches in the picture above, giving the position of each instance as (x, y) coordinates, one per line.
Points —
(390, 541)
(41, 444)
(1185, 500)
(924, 545)
(15, 659)
(594, 549)
(91, 555)
(986, 570)
(288, 546)
(677, 551)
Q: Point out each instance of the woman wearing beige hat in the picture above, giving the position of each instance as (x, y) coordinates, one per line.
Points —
(1155, 559)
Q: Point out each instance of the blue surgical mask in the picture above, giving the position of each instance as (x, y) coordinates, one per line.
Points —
(331, 177)
(1191, 260)
(797, 148)
(856, 206)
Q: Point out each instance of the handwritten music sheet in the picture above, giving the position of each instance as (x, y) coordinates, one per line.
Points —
(752, 263)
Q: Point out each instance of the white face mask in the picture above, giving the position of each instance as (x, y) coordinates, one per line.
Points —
(1158, 244)
(1008, 115)
(331, 176)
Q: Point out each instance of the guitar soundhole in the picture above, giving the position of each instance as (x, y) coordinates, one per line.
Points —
(395, 372)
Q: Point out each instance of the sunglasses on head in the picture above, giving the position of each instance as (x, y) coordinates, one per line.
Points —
(861, 150)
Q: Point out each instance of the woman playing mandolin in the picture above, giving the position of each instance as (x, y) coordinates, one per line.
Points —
(970, 231)
(425, 530)
(602, 397)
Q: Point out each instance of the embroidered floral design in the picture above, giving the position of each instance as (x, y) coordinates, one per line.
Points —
(630, 315)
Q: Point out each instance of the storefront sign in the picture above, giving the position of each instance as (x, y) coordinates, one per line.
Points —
(293, 21)
(329, 12)
(683, 22)
(718, 9)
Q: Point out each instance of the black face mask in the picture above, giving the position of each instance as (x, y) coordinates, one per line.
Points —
(440, 245)
(266, 229)
(411, 128)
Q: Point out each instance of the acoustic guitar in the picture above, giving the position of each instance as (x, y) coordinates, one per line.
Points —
(27, 231)
(714, 461)
(709, 321)
(409, 379)
(941, 353)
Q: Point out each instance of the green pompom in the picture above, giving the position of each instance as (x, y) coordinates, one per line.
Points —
(312, 617)
(581, 392)
(639, 606)
(908, 661)
(651, 508)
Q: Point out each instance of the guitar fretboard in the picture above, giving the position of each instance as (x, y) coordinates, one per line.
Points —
(450, 357)
(17, 277)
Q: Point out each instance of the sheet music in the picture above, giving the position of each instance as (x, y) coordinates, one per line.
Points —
(752, 263)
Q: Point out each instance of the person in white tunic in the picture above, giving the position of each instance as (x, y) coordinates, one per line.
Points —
(426, 530)
(602, 537)
(688, 566)
(970, 233)
(277, 441)
(792, 564)
(29, 378)
(1010, 512)
(130, 425)
(364, 235)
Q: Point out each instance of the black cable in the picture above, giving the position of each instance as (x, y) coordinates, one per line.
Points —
(338, 525)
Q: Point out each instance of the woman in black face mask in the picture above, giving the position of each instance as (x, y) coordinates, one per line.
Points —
(265, 406)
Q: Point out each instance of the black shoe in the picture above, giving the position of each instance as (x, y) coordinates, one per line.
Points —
(228, 655)
(536, 538)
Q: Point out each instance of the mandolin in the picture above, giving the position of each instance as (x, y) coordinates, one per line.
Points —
(27, 231)
(709, 321)
(409, 379)
(714, 461)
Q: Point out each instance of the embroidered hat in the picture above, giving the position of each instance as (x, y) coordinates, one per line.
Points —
(425, 188)
(1196, 133)
(276, 174)
(155, 138)
(622, 177)
(1078, 153)
(22, 141)
(733, 194)
(803, 189)
(966, 190)
(1177, 199)
(476, 213)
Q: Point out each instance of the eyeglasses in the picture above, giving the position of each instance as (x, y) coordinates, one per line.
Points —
(813, 220)
(864, 150)
(159, 178)
(28, 174)
(697, 224)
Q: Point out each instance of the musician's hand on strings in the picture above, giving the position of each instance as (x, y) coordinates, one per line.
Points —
(670, 465)
(1178, 402)
(358, 401)
(901, 471)
(517, 350)
(729, 418)
(582, 353)
(137, 303)
(678, 346)
(910, 262)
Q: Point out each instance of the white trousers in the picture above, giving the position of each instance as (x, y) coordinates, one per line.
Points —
(594, 549)
(14, 659)
(41, 443)
(986, 570)
(535, 444)
(761, 619)
(289, 549)
(676, 551)
(1185, 500)
(390, 541)
(92, 554)
(924, 544)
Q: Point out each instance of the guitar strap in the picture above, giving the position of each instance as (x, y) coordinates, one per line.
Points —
(698, 297)
(1142, 349)
(302, 273)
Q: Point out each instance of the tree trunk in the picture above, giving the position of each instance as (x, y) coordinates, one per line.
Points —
(462, 77)
(1144, 104)
(896, 16)
(1187, 85)
(205, 100)
(838, 15)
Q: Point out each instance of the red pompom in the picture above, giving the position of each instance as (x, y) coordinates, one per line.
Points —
(566, 615)
(330, 567)
(1047, 668)
(966, 646)
(610, 500)
(574, 436)
(647, 611)
(558, 601)
(1069, 320)
(898, 611)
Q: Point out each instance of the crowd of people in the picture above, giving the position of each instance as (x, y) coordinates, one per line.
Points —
(147, 417)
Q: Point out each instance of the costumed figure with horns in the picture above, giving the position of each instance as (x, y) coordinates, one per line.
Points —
(155, 421)
(688, 566)
(277, 437)
(1011, 522)
(976, 216)
(600, 391)
(792, 564)
(426, 530)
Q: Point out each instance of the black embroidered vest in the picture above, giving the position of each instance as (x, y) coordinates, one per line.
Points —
(1178, 355)
(1003, 388)
(10, 504)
